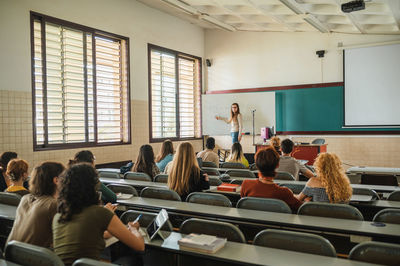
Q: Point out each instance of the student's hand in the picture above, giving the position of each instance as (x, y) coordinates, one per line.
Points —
(111, 207)
(308, 199)
(206, 177)
(239, 138)
(133, 225)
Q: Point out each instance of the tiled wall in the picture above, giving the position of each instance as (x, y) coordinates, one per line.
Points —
(16, 133)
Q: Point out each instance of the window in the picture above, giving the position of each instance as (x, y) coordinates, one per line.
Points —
(174, 95)
(80, 85)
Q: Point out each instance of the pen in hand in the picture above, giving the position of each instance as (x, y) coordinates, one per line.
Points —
(138, 218)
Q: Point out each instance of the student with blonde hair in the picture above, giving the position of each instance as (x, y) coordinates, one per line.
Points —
(17, 172)
(165, 155)
(185, 175)
(237, 156)
(331, 183)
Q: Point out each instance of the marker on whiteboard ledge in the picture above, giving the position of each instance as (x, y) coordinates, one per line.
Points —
(245, 133)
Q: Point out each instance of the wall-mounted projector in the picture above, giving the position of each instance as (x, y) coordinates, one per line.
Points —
(353, 6)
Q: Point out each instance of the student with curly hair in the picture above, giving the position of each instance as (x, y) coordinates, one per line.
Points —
(80, 224)
(331, 183)
(36, 210)
(275, 142)
(17, 172)
(145, 162)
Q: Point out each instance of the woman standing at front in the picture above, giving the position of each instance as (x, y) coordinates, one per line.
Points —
(236, 123)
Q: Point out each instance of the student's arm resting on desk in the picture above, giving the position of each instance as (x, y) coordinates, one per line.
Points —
(130, 237)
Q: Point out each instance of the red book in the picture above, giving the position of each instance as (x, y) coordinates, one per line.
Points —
(228, 187)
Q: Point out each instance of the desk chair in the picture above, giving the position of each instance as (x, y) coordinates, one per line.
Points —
(10, 198)
(109, 175)
(252, 167)
(232, 165)
(124, 189)
(159, 193)
(236, 182)
(137, 176)
(366, 191)
(209, 199)
(390, 216)
(214, 181)
(295, 241)
(376, 252)
(375, 179)
(263, 204)
(91, 262)
(145, 220)
(284, 176)
(161, 178)
(332, 210)
(215, 228)
(318, 141)
(211, 171)
(241, 173)
(296, 188)
(209, 164)
(27, 254)
(395, 195)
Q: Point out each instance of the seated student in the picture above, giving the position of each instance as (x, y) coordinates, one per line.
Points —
(289, 164)
(86, 156)
(267, 161)
(185, 176)
(208, 155)
(237, 156)
(17, 172)
(5, 158)
(275, 142)
(36, 210)
(166, 155)
(145, 162)
(80, 224)
(331, 183)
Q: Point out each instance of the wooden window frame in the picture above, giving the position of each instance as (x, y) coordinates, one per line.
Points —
(94, 32)
(177, 55)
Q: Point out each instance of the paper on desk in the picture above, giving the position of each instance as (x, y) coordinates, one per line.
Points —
(203, 239)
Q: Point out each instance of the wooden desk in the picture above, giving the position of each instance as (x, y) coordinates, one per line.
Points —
(303, 151)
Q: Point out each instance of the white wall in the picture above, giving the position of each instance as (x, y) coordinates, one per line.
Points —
(129, 18)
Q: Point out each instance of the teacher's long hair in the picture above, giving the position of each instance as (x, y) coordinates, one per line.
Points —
(233, 115)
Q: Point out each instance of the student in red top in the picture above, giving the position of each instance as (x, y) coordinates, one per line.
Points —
(267, 160)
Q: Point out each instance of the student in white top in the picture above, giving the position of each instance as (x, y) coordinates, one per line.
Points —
(208, 155)
(236, 123)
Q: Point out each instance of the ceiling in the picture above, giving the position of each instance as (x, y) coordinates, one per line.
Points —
(378, 17)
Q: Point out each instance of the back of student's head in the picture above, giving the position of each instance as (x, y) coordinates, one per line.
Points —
(84, 156)
(236, 151)
(287, 146)
(77, 190)
(166, 148)
(210, 143)
(183, 166)
(41, 182)
(145, 160)
(16, 169)
(267, 160)
(5, 158)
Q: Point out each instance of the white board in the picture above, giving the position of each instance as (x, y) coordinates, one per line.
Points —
(220, 104)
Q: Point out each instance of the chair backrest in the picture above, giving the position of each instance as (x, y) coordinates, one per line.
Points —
(395, 196)
(241, 173)
(209, 199)
(125, 189)
(296, 188)
(210, 171)
(232, 165)
(91, 262)
(375, 179)
(284, 176)
(215, 228)
(209, 164)
(391, 216)
(27, 254)
(214, 181)
(318, 141)
(109, 175)
(161, 178)
(295, 241)
(376, 252)
(341, 211)
(236, 181)
(10, 198)
(137, 176)
(145, 220)
(159, 193)
(366, 191)
(263, 204)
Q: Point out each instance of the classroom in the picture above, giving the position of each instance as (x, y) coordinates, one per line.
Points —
(279, 58)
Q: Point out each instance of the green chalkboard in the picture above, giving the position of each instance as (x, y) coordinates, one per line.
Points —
(313, 110)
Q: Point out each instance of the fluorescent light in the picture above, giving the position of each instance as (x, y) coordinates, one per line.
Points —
(181, 6)
(217, 23)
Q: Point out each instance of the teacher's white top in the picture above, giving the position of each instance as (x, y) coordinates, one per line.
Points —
(236, 126)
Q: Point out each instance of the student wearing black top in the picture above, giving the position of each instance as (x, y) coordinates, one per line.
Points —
(185, 176)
